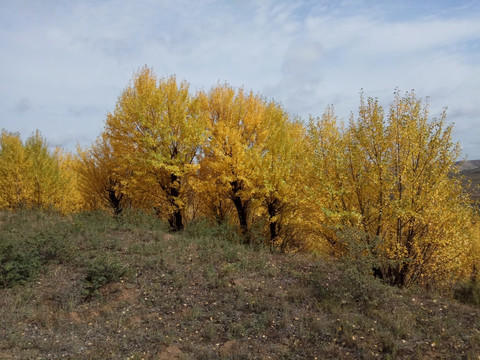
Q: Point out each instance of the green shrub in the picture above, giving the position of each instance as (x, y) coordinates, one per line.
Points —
(352, 287)
(17, 263)
(100, 272)
(30, 239)
(203, 227)
(53, 245)
(360, 251)
(199, 227)
(363, 289)
(468, 293)
(138, 219)
(93, 221)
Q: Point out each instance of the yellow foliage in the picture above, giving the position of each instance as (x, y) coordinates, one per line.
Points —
(14, 167)
(32, 177)
(100, 183)
(326, 204)
(382, 187)
(71, 199)
(230, 166)
(155, 133)
(393, 181)
(283, 173)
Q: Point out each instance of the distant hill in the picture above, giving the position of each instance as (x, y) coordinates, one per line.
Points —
(470, 165)
(471, 171)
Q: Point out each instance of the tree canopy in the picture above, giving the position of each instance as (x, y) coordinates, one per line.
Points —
(381, 187)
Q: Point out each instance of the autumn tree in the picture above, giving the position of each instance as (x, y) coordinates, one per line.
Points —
(101, 184)
(45, 175)
(32, 176)
(395, 185)
(232, 156)
(14, 167)
(427, 231)
(71, 200)
(212, 202)
(283, 177)
(475, 250)
(155, 131)
(326, 208)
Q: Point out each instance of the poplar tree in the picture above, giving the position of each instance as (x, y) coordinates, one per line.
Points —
(155, 132)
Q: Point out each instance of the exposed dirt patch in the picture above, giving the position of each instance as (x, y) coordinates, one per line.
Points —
(74, 317)
(172, 352)
(230, 347)
(167, 237)
(117, 293)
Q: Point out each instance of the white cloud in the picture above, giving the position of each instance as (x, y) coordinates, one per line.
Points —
(70, 60)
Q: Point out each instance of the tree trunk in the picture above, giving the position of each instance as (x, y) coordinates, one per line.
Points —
(242, 211)
(397, 275)
(175, 219)
(272, 212)
(242, 218)
(115, 202)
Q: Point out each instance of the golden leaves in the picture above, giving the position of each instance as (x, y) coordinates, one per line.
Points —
(229, 154)
(33, 177)
(394, 175)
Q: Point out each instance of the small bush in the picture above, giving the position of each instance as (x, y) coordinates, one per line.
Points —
(204, 228)
(199, 227)
(30, 239)
(468, 293)
(138, 219)
(360, 251)
(54, 244)
(93, 221)
(100, 272)
(363, 289)
(17, 264)
(353, 287)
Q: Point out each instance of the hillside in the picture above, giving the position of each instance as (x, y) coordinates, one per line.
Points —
(126, 289)
(471, 171)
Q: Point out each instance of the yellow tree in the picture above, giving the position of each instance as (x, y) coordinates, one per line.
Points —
(327, 207)
(368, 177)
(155, 131)
(475, 253)
(428, 230)
(232, 156)
(100, 183)
(384, 188)
(398, 190)
(71, 199)
(45, 176)
(33, 177)
(14, 168)
(282, 186)
(212, 202)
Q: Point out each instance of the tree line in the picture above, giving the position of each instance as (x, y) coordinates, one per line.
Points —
(381, 186)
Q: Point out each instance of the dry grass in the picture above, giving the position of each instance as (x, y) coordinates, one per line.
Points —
(201, 295)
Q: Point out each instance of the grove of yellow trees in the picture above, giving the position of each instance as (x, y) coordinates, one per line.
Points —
(33, 177)
(383, 186)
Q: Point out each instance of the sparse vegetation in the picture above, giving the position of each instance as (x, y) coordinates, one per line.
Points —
(201, 294)
(468, 292)
(100, 272)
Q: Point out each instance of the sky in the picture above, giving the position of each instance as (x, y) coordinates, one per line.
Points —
(63, 63)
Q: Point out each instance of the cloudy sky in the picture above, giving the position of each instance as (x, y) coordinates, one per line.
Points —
(64, 63)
